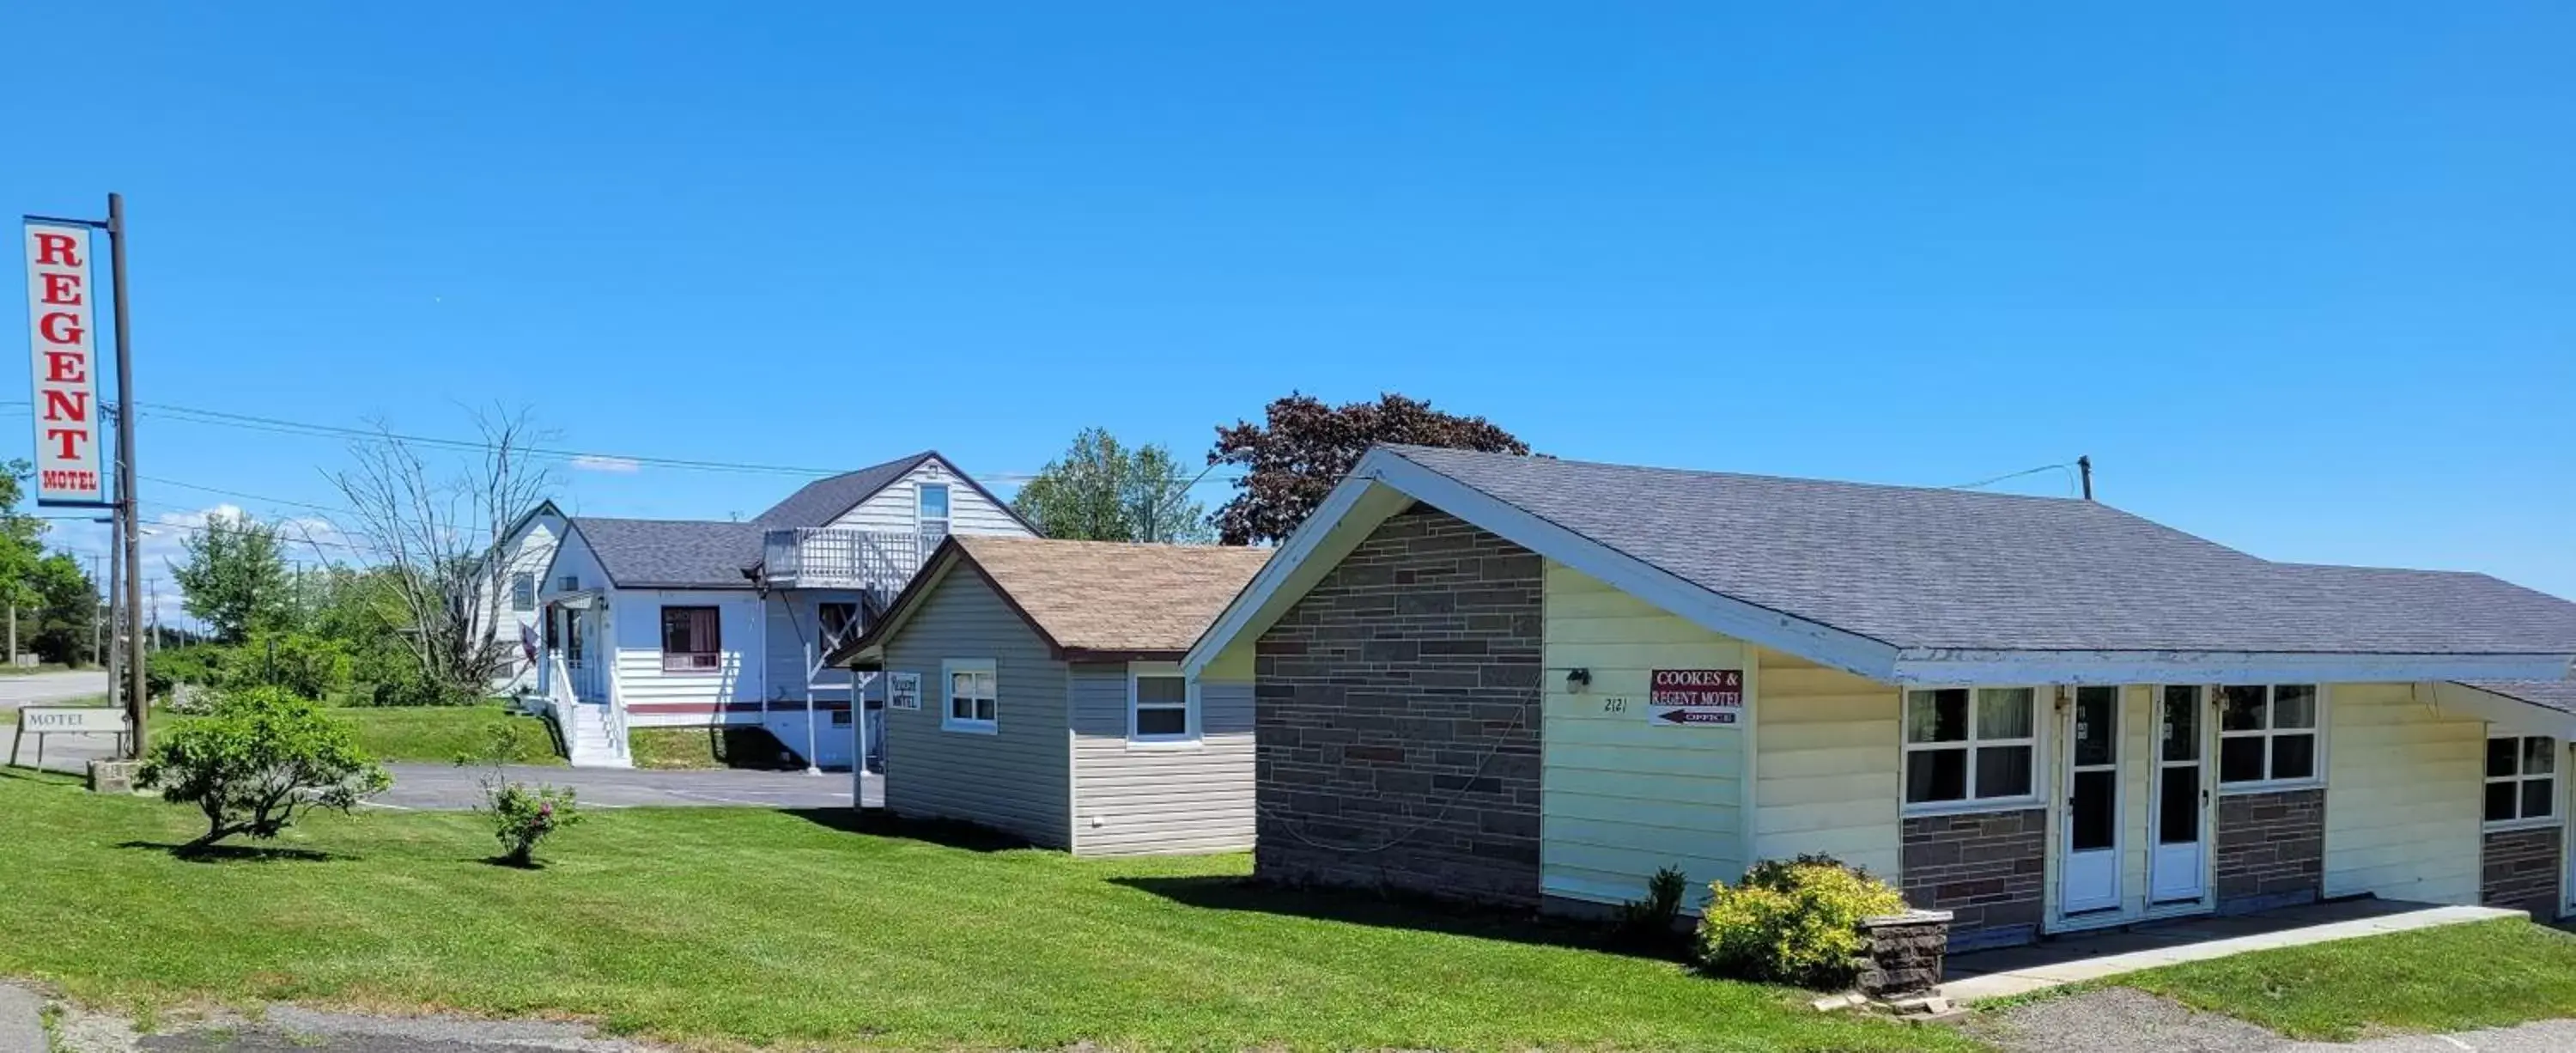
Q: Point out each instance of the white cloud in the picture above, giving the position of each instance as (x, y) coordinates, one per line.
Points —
(594, 462)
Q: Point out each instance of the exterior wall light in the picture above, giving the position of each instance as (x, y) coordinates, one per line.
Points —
(1577, 680)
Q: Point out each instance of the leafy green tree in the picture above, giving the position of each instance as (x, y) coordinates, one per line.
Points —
(1303, 448)
(1104, 490)
(66, 630)
(260, 759)
(21, 542)
(235, 578)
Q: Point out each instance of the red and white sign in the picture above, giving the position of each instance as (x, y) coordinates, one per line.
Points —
(1695, 696)
(60, 296)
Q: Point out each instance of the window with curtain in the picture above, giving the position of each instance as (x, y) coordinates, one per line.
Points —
(1967, 745)
(692, 640)
(2267, 733)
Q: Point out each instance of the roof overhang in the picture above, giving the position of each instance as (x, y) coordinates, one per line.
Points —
(1384, 483)
(2505, 711)
(1959, 668)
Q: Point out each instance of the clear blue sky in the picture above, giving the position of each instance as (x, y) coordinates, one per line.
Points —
(2300, 277)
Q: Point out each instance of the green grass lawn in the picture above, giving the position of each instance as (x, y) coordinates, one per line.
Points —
(702, 748)
(435, 734)
(733, 925)
(2455, 978)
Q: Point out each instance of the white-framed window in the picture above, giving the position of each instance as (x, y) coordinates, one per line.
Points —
(2267, 735)
(1971, 747)
(903, 691)
(523, 591)
(1161, 703)
(930, 513)
(2522, 779)
(970, 696)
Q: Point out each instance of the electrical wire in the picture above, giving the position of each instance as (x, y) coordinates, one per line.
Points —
(2067, 467)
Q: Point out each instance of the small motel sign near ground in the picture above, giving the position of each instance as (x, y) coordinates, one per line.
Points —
(1692, 697)
(41, 721)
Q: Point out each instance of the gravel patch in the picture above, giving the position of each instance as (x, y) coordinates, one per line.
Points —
(2120, 1020)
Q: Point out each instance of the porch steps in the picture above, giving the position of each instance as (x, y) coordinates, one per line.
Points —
(589, 742)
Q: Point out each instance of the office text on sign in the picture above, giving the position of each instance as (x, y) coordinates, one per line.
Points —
(1695, 696)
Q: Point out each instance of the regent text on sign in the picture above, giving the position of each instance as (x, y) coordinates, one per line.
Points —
(64, 346)
(1695, 696)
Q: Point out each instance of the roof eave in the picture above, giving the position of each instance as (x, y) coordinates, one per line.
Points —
(1957, 667)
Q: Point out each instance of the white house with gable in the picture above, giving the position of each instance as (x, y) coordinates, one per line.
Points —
(510, 618)
(695, 623)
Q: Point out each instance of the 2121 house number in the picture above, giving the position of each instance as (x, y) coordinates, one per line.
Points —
(1614, 705)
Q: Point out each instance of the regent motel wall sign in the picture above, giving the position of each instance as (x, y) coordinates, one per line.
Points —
(1692, 697)
(64, 342)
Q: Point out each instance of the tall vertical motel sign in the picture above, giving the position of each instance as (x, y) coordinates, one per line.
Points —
(61, 293)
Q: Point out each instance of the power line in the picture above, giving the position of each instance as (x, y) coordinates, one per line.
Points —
(2067, 467)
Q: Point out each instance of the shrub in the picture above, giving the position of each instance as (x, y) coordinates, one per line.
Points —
(409, 688)
(205, 665)
(522, 816)
(1649, 921)
(261, 757)
(1793, 921)
(309, 666)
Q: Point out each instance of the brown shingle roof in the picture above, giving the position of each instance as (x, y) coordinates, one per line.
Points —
(1100, 598)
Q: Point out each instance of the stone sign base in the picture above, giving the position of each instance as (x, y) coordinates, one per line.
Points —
(113, 776)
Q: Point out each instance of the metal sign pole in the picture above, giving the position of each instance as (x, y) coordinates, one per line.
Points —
(137, 703)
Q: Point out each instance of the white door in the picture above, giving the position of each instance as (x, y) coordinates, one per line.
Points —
(2178, 868)
(2088, 871)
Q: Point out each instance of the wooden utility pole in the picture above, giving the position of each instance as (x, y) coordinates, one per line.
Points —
(137, 704)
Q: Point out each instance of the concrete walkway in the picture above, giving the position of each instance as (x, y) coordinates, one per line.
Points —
(2081, 957)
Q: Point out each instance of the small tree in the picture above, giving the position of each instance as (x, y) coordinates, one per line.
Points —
(1103, 490)
(262, 757)
(235, 578)
(1304, 447)
(521, 815)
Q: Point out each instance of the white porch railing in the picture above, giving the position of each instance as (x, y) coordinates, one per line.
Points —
(841, 558)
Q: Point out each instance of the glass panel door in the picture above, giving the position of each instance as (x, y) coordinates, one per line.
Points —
(2177, 871)
(2089, 873)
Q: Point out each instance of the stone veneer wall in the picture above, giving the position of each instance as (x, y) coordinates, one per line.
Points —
(2271, 849)
(1988, 869)
(2520, 870)
(1397, 719)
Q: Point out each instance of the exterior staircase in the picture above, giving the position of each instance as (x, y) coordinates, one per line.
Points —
(591, 741)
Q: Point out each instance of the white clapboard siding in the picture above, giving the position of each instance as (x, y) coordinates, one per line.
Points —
(1015, 779)
(1826, 766)
(1140, 798)
(894, 508)
(729, 693)
(2405, 788)
(1621, 798)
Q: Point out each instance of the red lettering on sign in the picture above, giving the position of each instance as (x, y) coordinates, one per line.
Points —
(63, 289)
(67, 405)
(71, 438)
(57, 248)
(66, 367)
(68, 332)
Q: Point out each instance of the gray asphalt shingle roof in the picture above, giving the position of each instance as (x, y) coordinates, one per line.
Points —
(1925, 568)
(672, 553)
(2559, 695)
(819, 502)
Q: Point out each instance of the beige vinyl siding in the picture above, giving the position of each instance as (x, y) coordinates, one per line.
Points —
(1826, 766)
(635, 622)
(892, 509)
(2404, 796)
(1620, 798)
(1160, 797)
(1015, 779)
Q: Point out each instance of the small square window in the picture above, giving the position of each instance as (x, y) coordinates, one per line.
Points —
(2522, 780)
(2267, 733)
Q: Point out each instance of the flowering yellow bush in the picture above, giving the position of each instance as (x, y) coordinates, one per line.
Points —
(1792, 921)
